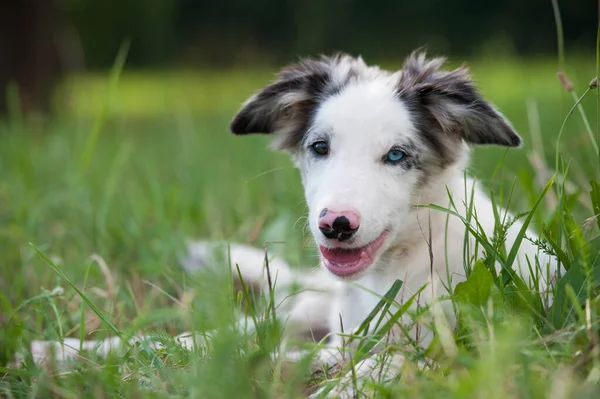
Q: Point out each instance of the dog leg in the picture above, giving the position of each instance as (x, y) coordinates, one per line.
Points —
(303, 296)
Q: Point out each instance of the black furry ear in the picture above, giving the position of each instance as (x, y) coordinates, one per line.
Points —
(454, 102)
(262, 112)
(286, 105)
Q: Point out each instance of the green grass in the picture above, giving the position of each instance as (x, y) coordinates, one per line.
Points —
(113, 215)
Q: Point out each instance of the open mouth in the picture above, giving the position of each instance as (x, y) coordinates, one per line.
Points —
(345, 262)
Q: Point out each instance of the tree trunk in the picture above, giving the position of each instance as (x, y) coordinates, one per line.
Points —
(29, 55)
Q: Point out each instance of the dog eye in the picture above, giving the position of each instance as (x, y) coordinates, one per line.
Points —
(394, 156)
(320, 148)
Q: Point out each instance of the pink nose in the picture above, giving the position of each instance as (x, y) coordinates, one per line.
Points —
(339, 225)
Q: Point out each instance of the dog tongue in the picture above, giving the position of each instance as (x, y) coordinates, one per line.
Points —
(347, 262)
(342, 256)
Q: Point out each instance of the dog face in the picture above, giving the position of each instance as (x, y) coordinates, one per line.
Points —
(369, 143)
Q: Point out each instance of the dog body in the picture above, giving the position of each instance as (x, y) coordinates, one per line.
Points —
(373, 148)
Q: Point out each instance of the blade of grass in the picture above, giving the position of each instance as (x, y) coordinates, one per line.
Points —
(17, 372)
(598, 91)
(93, 307)
(366, 346)
(115, 75)
(482, 240)
(82, 310)
(512, 255)
(562, 255)
(387, 298)
(562, 126)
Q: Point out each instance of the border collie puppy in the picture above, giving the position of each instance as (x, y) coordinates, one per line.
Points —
(375, 149)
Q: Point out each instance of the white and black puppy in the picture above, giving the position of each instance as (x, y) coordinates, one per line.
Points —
(371, 146)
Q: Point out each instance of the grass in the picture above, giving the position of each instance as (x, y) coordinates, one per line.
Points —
(112, 214)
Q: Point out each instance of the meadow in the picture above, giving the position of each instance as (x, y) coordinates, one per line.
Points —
(136, 162)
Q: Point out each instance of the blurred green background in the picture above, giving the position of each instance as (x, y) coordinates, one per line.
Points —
(42, 41)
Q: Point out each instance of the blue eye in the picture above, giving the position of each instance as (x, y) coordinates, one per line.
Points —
(320, 148)
(394, 156)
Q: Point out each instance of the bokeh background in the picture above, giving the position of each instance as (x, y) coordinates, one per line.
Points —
(115, 148)
(45, 40)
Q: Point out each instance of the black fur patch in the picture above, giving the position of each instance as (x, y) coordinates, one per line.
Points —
(446, 105)
(247, 122)
(288, 104)
(429, 131)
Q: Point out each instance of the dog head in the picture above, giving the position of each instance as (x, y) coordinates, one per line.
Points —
(369, 143)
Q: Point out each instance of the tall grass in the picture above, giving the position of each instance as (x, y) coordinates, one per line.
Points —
(108, 192)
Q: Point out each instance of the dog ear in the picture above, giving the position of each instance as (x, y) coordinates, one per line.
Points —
(284, 107)
(454, 102)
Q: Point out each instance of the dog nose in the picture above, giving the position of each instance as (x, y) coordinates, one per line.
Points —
(339, 225)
